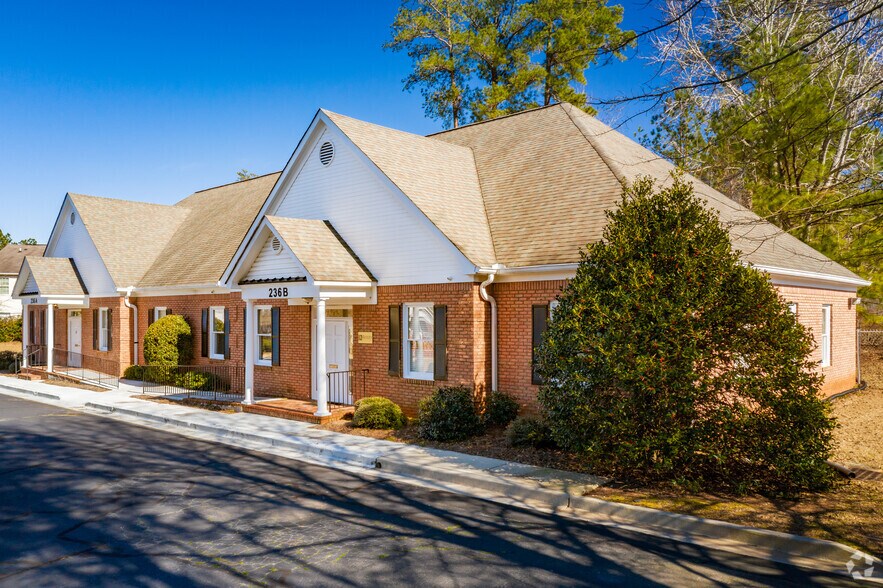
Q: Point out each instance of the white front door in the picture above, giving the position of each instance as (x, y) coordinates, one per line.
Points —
(74, 338)
(337, 358)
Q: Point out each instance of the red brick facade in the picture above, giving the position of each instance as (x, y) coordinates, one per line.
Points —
(468, 333)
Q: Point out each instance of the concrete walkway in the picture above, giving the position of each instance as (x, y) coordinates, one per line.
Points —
(491, 479)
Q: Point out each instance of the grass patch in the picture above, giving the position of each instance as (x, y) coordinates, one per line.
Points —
(14, 346)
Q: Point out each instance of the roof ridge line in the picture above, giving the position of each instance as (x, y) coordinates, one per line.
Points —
(605, 157)
(231, 184)
(490, 120)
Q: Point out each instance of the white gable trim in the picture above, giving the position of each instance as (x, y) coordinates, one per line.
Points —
(292, 169)
(102, 274)
(265, 230)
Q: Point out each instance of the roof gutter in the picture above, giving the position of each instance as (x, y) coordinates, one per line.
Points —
(134, 323)
(490, 300)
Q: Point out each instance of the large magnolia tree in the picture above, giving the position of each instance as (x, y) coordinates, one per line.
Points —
(667, 359)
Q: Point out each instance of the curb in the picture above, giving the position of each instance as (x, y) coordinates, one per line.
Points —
(31, 392)
(328, 452)
(780, 547)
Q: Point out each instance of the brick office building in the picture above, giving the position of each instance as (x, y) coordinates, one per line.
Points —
(402, 260)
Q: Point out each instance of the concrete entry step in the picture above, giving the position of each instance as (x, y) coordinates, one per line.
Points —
(296, 410)
(30, 376)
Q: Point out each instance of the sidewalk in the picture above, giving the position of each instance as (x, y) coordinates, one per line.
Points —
(511, 483)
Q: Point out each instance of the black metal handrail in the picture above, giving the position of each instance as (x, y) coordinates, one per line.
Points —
(346, 387)
(225, 383)
(36, 355)
(88, 368)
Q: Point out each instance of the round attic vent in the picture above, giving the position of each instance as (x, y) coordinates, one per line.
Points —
(276, 244)
(326, 152)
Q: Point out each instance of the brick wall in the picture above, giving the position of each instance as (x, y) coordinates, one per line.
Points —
(290, 379)
(514, 328)
(515, 299)
(840, 375)
(468, 340)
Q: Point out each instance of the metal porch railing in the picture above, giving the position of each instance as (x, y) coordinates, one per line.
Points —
(345, 388)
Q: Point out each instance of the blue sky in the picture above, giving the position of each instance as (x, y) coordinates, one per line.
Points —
(154, 100)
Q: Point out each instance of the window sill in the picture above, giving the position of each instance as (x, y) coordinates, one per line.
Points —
(263, 364)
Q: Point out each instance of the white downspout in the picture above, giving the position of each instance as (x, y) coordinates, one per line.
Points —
(490, 299)
(134, 323)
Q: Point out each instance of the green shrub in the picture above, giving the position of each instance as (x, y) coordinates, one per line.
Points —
(448, 415)
(8, 360)
(669, 359)
(500, 409)
(529, 431)
(199, 381)
(10, 329)
(168, 342)
(133, 372)
(376, 412)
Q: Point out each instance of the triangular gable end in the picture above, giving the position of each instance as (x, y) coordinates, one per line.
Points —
(25, 284)
(305, 147)
(70, 238)
(273, 262)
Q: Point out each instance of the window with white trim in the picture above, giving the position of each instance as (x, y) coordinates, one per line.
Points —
(4, 286)
(419, 350)
(264, 335)
(792, 306)
(826, 335)
(103, 329)
(217, 338)
(159, 312)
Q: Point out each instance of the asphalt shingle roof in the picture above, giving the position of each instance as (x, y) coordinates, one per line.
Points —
(320, 249)
(55, 276)
(12, 255)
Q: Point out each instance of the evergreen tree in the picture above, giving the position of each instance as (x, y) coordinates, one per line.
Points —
(668, 359)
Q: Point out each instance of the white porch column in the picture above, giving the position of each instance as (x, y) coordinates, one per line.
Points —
(50, 336)
(25, 334)
(250, 328)
(321, 363)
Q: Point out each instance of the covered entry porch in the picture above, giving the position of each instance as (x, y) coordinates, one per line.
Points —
(54, 301)
(303, 264)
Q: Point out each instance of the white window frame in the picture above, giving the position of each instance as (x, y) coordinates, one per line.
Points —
(5, 285)
(826, 336)
(214, 353)
(103, 331)
(792, 306)
(257, 335)
(160, 309)
(406, 342)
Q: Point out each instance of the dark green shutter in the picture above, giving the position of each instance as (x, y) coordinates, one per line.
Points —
(151, 315)
(440, 343)
(42, 327)
(226, 333)
(274, 315)
(540, 317)
(205, 317)
(95, 326)
(395, 340)
(109, 329)
(244, 331)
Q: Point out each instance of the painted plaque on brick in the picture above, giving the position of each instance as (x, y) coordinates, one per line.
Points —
(366, 337)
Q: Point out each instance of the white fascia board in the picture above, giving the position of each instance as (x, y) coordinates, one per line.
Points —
(56, 227)
(778, 273)
(194, 290)
(281, 187)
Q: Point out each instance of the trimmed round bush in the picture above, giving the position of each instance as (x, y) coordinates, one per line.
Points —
(134, 372)
(500, 409)
(530, 431)
(448, 415)
(376, 412)
(168, 342)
